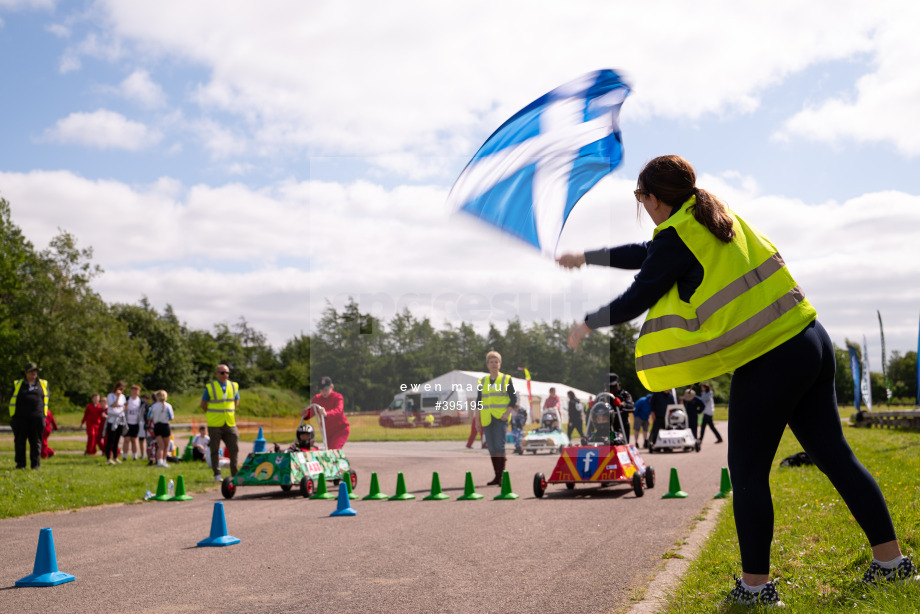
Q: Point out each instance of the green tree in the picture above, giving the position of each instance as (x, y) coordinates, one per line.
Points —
(165, 341)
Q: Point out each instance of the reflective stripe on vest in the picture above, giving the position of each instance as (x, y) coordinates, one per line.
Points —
(222, 404)
(746, 305)
(495, 398)
(17, 384)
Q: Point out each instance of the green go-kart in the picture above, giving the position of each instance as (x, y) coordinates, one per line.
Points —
(291, 468)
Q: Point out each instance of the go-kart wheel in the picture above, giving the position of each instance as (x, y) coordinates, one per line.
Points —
(569, 485)
(228, 488)
(698, 445)
(307, 487)
(539, 485)
(353, 478)
(637, 484)
(286, 487)
(650, 477)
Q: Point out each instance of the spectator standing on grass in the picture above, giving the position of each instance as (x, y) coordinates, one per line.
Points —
(50, 425)
(133, 410)
(161, 413)
(719, 299)
(116, 418)
(709, 409)
(575, 410)
(94, 418)
(220, 401)
(142, 429)
(332, 409)
(28, 408)
(497, 399)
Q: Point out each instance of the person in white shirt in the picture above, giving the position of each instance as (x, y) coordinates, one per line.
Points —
(116, 401)
(161, 413)
(133, 410)
(200, 446)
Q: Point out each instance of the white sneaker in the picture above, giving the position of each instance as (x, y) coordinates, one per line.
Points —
(904, 571)
(218, 477)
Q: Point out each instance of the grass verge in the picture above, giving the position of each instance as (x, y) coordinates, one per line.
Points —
(818, 550)
(70, 481)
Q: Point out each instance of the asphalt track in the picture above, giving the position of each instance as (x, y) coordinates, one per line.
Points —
(588, 550)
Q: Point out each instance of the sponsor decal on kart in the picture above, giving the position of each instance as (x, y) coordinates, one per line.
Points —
(263, 472)
(314, 467)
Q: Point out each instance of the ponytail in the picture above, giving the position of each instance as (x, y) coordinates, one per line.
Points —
(711, 213)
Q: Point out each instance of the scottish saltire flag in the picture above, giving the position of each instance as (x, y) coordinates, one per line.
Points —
(529, 174)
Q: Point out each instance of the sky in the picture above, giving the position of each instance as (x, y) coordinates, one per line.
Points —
(270, 160)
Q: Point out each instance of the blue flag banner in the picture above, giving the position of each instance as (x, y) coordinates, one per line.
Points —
(867, 379)
(918, 369)
(527, 176)
(854, 371)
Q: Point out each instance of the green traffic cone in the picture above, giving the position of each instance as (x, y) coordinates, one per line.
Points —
(436, 494)
(726, 487)
(162, 495)
(375, 494)
(469, 491)
(180, 490)
(187, 454)
(321, 491)
(674, 491)
(506, 495)
(401, 494)
(347, 480)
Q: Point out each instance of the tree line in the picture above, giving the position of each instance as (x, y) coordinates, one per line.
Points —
(50, 315)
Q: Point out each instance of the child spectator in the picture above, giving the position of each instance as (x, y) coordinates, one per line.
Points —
(50, 424)
(93, 417)
(200, 445)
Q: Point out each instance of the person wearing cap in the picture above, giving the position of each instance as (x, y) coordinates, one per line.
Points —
(220, 401)
(331, 406)
(28, 408)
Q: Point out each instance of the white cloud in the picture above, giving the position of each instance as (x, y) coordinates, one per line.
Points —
(103, 129)
(363, 79)
(26, 4)
(287, 249)
(140, 88)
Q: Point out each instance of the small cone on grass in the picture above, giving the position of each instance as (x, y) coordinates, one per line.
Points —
(161, 495)
(725, 488)
(674, 491)
(343, 507)
(321, 491)
(180, 490)
(375, 494)
(219, 535)
(506, 495)
(436, 493)
(469, 491)
(401, 493)
(45, 570)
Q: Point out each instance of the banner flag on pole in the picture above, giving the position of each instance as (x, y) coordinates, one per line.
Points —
(884, 360)
(527, 176)
(867, 380)
(918, 367)
(854, 372)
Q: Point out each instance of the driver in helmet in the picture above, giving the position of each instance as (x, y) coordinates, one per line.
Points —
(303, 440)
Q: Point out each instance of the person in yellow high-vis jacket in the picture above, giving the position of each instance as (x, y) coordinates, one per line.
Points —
(220, 401)
(495, 401)
(720, 299)
(28, 408)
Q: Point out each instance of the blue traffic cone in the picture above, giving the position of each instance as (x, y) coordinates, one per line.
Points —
(45, 571)
(344, 507)
(258, 444)
(219, 536)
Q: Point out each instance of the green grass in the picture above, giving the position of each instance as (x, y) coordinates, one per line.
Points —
(818, 549)
(72, 481)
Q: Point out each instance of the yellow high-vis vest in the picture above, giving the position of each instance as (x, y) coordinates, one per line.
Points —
(746, 305)
(222, 404)
(495, 398)
(17, 385)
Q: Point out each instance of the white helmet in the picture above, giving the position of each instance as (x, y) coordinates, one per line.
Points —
(677, 419)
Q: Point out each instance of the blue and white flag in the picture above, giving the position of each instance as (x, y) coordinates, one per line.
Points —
(854, 371)
(529, 174)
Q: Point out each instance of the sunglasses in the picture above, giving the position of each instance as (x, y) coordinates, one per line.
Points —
(223, 373)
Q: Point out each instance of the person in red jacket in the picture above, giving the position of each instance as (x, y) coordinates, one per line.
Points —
(332, 408)
(50, 424)
(93, 416)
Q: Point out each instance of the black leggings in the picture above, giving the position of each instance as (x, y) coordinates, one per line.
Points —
(801, 374)
(111, 448)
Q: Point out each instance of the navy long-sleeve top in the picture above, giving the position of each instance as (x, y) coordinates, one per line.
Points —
(662, 262)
